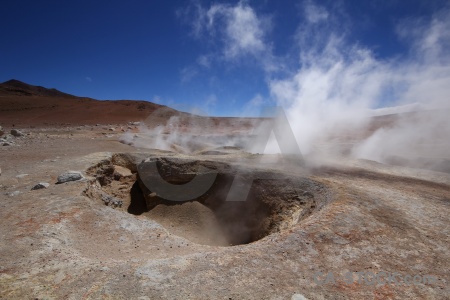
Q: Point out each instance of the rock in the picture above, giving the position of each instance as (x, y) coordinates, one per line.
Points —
(69, 176)
(2, 132)
(120, 172)
(112, 129)
(13, 194)
(111, 201)
(21, 176)
(8, 144)
(308, 194)
(16, 133)
(298, 297)
(40, 185)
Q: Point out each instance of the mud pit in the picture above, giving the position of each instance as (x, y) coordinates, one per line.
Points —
(274, 203)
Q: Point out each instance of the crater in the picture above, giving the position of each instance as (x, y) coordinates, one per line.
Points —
(219, 211)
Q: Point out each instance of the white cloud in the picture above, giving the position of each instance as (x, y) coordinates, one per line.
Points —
(156, 99)
(195, 16)
(211, 100)
(238, 28)
(244, 33)
(252, 107)
(315, 13)
(89, 79)
(187, 74)
(204, 61)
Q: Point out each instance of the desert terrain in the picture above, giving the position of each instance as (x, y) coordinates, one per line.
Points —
(340, 228)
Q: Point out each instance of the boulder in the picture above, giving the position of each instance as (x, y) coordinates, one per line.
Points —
(70, 176)
(40, 185)
(16, 133)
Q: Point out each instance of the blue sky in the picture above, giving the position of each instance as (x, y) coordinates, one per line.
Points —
(217, 57)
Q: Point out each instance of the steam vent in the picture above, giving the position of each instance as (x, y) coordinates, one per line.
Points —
(208, 214)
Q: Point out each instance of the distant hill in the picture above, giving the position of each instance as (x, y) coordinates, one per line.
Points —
(15, 87)
(26, 104)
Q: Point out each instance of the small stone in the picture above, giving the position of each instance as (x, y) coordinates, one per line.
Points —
(308, 194)
(111, 201)
(69, 176)
(16, 133)
(21, 176)
(112, 129)
(120, 172)
(40, 185)
(13, 194)
(8, 144)
(2, 132)
(298, 297)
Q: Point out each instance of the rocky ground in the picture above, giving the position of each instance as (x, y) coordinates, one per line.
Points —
(337, 230)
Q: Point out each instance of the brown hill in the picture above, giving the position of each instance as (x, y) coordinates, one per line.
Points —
(15, 87)
(24, 104)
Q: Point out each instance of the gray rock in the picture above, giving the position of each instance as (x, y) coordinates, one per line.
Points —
(40, 185)
(69, 176)
(21, 176)
(2, 132)
(13, 194)
(308, 194)
(111, 201)
(112, 129)
(16, 133)
(8, 144)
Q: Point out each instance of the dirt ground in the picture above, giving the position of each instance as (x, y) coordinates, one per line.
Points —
(334, 228)
(364, 230)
